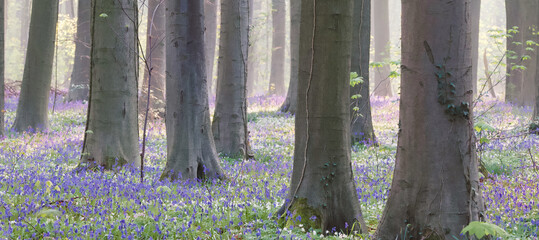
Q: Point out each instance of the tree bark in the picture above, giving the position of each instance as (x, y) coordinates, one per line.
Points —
(2, 68)
(32, 111)
(80, 77)
(111, 136)
(276, 85)
(210, 38)
(529, 12)
(230, 118)
(25, 22)
(252, 60)
(475, 15)
(322, 182)
(360, 112)
(382, 81)
(190, 147)
(435, 190)
(514, 77)
(291, 102)
(155, 57)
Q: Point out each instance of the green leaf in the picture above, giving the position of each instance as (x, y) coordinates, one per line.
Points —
(103, 15)
(481, 125)
(481, 229)
(49, 213)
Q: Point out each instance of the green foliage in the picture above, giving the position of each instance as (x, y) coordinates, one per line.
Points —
(483, 126)
(355, 79)
(482, 229)
(49, 213)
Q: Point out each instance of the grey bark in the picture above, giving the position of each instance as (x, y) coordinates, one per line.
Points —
(155, 59)
(252, 60)
(513, 80)
(439, 198)
(529, 13)
(322, 180)
(191, 150)
(80, 77)
(382, 81)
(230, 118)
(361, 117)
(25, 22)
(32, 110)
(210, 38)
(291, 101)
(276, 85)
(111, 136)
(2, 68)
(475, 15)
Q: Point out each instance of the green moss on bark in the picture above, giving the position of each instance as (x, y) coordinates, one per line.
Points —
(302, 213)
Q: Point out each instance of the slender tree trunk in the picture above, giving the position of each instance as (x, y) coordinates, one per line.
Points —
(155, 53)
(80, 76)
(25, 22)
(190, 148)
(252, 61)
(210, 38)
(111, 136)
(382, 81)
(361, 118)
(291, 102)
(475, 15)
(32, 111)
(514, 77)
(277, 57)
(488, 75)
(529, 13)
(435, 190)
(2, 68)
(322, 182)
(69, 9)
(230, 117)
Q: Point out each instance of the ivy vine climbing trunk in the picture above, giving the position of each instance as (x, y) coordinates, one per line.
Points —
(155, 56)
(80, 77)
(361, 117)
(276, 85)
(322, 182)
(191, 151)
(291, 102)
(382, 80)
(435, 190)
(111, 136)
(33, 107)
(230, 118)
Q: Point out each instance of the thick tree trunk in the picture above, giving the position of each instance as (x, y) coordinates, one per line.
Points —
(475, 15)
(529, 12)
(210, 38)
(291, 102)
(2, 68)
(155, 59)
(111, 136)
(435, 190)
(382, 81)
(80, 77)
(361, 119)
(322, 182)
(230, 117)
(276, 85)
(32, 111)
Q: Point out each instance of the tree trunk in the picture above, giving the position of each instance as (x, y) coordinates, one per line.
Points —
(80, 77)
(210, 38)
(382, 81)
(252, 61)
(25, 22)
(528, 13)
(155, 59)
(190, 148)
(69, 8)
(488, 75)
(361, 119)
(435, 190)
(230, 117)
(322, 182)
(2, 68)
(32, 111)
(514, 51)
(276, 85)
(291, 102)
(111, 136)
(475, 15)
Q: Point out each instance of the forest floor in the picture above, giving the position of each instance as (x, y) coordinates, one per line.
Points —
(41, 197)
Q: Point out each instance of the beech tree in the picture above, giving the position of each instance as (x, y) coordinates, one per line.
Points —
(2, 68)
(230, 118)
(435, 190)
(111, 136)
(322, 183)
(210, 38)
(361, 117)
(80, 77)
(382, 81)
(155, 57)
(291, 101)
(32, 110)
(191, 151)
(475, 15)
(276, 83)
